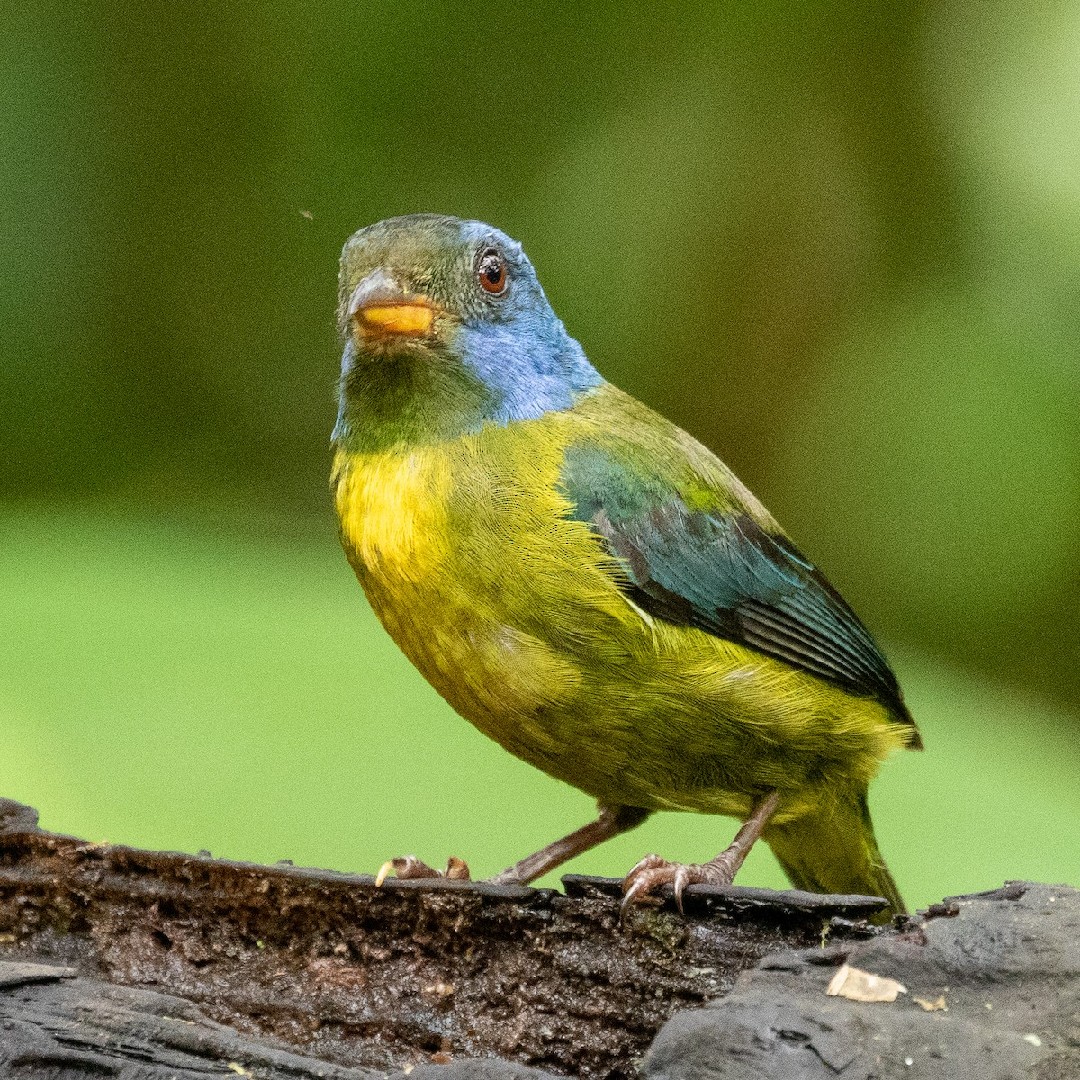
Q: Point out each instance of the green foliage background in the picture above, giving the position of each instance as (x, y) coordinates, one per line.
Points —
(838, 242)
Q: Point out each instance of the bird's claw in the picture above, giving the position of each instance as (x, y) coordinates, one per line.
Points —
(410, 868)
(653, 872)
(638, 885)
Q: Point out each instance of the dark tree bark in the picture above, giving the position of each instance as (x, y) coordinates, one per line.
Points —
(149, 966)
(117, 962)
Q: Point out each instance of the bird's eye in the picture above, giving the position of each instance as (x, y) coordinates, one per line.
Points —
(491, 272)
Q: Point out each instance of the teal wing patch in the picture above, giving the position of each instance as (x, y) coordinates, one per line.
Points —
(723, 573)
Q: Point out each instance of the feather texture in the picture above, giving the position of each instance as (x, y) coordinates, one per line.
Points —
(582, 580)
(719, 569)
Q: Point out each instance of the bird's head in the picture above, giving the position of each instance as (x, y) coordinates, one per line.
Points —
(446, 328)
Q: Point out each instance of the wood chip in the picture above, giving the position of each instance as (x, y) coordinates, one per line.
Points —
(858, 985)
(938, 1004)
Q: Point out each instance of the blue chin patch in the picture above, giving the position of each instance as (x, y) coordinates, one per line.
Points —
(532, 369)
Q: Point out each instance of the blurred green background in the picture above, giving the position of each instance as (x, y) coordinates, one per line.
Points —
(838, 242)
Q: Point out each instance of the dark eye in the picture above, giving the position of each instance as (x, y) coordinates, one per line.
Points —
(491, 272)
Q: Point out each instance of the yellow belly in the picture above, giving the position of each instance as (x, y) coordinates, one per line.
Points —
(512, 611)
(438, 601)
(392, 510)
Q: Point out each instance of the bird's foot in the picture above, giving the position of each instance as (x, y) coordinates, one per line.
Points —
(409, 867)
(652, 872)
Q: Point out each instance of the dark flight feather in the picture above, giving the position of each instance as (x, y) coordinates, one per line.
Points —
(724, 573)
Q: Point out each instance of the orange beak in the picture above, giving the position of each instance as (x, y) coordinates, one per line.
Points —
(398, 318)
(379, 306)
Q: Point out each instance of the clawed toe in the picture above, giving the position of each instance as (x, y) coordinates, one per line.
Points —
(653, 872)
(410, 868)
(638, 885)
(457, 869)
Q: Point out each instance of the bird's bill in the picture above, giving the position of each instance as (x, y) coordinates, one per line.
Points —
(379, 305)
(398, 318)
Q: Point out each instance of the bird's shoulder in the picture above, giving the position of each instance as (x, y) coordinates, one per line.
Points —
(698, 549)
(637, 458)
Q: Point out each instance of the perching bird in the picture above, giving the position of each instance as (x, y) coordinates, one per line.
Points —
(586, 583)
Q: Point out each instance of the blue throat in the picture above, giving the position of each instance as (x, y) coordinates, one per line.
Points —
(498, 374)
(528, 373)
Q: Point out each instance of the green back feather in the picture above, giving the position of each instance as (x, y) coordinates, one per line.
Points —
(698, 552)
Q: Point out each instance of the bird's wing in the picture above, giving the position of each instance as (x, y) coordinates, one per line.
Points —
(700, 551)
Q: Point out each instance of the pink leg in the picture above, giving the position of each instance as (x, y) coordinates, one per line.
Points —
(612, 821)
(652, 871)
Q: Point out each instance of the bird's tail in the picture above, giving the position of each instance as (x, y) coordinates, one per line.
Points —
(833, 850)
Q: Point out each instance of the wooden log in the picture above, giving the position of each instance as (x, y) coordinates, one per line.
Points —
(333, 974)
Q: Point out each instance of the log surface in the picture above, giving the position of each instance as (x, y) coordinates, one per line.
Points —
(145, 957)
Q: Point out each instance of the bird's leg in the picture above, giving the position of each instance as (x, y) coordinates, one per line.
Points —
(612, 821)
(652, 871)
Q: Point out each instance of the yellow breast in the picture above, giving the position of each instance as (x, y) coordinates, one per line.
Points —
(392, 509)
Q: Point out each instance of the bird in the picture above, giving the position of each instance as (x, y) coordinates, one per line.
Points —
(589, 585)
